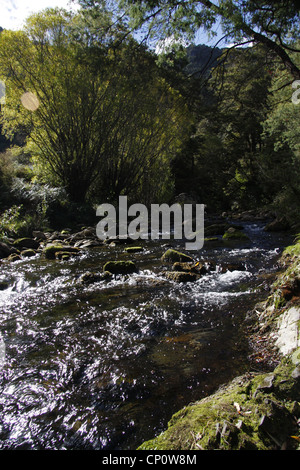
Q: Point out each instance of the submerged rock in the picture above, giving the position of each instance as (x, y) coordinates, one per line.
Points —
(120, 267)
(4, 285)
(180, 276)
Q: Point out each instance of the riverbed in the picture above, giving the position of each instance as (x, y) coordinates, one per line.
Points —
(103, 366)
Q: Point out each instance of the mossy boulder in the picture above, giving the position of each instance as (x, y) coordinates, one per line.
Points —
(50, 251)
(6, 250)
(28, 253)
(183, 267)
(234, 234)
(90, 277)
(197, 268)
(174, 255)
(26, 243)
(120, 267)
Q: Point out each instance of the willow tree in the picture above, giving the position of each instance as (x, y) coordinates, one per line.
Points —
(93, 119)
(62, 129)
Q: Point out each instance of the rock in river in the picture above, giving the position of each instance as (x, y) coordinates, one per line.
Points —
(173, 256)
(120, 267)
(50, 251)
(180, 276)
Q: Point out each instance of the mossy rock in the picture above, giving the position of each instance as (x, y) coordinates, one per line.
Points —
(51, 250)
(14, 257)
(91, 277)
(249, 413)
(120, 267)
(213, 241)
(197, 268)
(63, 255)
(182, 267)
(180, 276)
(133, 249)
(173, 256)
(235, 234)
(28, 253)
(26, 243)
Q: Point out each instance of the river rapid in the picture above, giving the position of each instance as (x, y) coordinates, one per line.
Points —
(104, 366)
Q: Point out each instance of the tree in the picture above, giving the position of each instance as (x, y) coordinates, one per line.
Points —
(280, 159)
(221, 158)
(62, 131)
(274, 24)
(98, 124)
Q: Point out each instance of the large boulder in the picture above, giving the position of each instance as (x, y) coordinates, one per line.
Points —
(6, 250)
(24, 243)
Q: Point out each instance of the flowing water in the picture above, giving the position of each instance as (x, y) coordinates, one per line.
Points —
(105, 365)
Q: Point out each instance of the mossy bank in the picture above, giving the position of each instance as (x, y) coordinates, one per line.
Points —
(259, 410)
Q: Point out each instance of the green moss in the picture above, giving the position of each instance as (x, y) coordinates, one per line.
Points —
(133, 249)
(120, 267)
(173, 256)
(235, 235)
(50, 251)
(28, 253)
(14, 257)
(249, 413)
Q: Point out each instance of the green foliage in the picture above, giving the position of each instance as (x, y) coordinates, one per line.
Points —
(274, 24)
(10, 222)
(107, 123)
(280, 160)
(219, 163)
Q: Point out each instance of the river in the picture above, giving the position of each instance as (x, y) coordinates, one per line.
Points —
(104, 366)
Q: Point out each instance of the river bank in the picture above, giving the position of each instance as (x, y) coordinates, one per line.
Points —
(256, 411)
